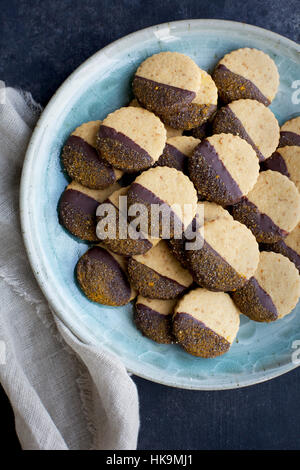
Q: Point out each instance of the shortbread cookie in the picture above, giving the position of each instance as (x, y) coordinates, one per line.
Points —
(272, 292)
(131, 139)
(271, 209)
(77, 209)
(165, 80)
(253, 122)
(102, 277)
(153, 317)
(227, 257)
(168, 190)
(157, 274)
(206, 323)
(247, 73)
(223, 168)
(82, 162)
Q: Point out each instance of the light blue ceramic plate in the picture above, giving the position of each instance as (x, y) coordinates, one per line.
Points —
(97, 87)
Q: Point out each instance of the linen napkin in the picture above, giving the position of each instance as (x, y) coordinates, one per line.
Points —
(65, 394)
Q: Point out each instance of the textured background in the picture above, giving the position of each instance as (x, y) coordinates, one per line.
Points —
(41, 43)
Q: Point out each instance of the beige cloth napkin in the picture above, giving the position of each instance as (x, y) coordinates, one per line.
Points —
(65, 394)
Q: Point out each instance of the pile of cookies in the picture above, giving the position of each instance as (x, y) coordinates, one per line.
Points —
(210, 143)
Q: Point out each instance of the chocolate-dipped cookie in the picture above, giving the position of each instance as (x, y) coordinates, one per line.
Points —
(153, 317)
(171, 132)
(177, 151)
(223, 168)
(121, 240)
(102, 277)
(286, 160)
(157, 274)
(131, 139)
(290, 133)
(206, 212)
(226, 257)
(166, 190)
(165, 80)
(206, 323)
(271, 209)
(288, 246)
(246, 74)
(77, 209)
(190, 115)
(253, 122)
(264, 298)
(83, 163)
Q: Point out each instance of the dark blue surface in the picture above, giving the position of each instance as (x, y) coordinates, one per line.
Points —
(41, 43)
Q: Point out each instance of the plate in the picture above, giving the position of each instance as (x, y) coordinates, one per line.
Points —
(101, 85)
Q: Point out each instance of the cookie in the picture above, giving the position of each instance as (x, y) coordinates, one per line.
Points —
(77, 209)
(153, 317)
(166, 79)
(271, 209)
(246, 74)
(223, 168)
(206, 212)
(157, 274)
(286, 160)
(82, 162)
(253, 122)
(171, 132)
(288, 246)
(131, 139)
(177, 151)
(290, 133)
(196, 113)
(102, 277)
(227, 257)
(121, 239)
(205, 130)
(169, 190)
(264, 298)
(206, 323)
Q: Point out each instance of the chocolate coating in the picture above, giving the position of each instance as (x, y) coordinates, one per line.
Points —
(77, 213)
(196, 338)
(188, 116)
(226, 121)
(255, 303)
(158, 96)
(232, 86)
(261, 225)
(153, 324)
(151, 284)
(289, 138)
(276, 163)
(101, 278)
(122, 152)
(83, 164)
(210, 270)
(210, 177)
(173, 158)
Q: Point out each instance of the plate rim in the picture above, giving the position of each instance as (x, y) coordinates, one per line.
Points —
(27, 229)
